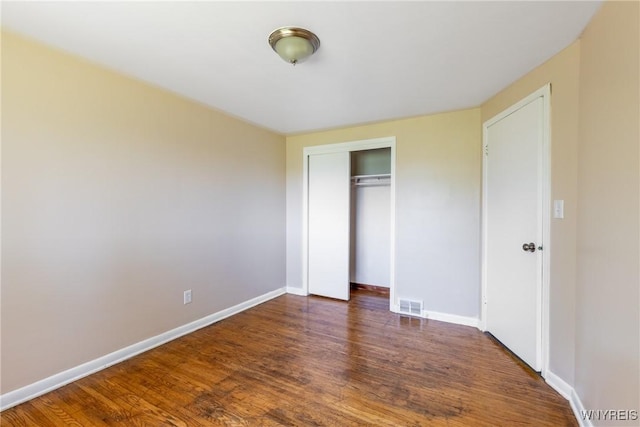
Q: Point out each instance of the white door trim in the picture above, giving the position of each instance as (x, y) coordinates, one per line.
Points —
(366, 144)
(542, 338)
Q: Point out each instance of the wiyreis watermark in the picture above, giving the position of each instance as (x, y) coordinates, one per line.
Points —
(610, 414)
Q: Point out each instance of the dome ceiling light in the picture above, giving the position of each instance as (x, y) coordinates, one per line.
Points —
(294, 44)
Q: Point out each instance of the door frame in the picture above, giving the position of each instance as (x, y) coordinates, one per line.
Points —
(366, 144)
(544, 218)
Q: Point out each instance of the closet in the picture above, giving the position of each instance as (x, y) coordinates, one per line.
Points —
(370, 217)
(349, 217)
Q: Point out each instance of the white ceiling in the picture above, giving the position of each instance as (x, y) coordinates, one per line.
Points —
(377, 60)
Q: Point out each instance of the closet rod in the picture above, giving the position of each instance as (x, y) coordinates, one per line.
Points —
(371, 180)
(371, 184)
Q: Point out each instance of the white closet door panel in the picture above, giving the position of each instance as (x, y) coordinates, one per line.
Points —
(329, 206)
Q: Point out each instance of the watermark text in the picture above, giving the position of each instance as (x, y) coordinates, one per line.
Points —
(609, 414)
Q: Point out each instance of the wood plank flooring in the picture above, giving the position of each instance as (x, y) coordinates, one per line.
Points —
(310, 361)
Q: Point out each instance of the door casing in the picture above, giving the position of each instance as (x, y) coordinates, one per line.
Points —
(367, 144)
(545, 203)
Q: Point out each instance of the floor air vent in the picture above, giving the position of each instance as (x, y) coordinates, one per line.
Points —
(412, 308)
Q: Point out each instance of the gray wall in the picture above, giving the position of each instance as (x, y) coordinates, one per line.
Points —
(438, 160)
(117, 197)
(608, 291)
(371, 162)
(594, 278)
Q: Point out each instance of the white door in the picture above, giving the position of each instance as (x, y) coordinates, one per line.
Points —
(513, 230)
(329, 221)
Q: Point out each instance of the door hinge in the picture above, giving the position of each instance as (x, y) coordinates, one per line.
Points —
(486, 150)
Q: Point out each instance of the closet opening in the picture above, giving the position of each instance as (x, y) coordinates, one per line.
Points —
(349, 218)
(370, 218)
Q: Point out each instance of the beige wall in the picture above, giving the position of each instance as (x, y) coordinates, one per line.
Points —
(562, 72)
(437, 206)
(608, 285)
(595, 257)
(116, 197)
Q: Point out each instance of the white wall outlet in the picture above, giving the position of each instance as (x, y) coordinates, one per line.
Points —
(187, 297)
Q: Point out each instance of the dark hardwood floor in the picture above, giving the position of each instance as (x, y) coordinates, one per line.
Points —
(298, 361)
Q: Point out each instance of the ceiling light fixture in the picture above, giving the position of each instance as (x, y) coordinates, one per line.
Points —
(294, 44)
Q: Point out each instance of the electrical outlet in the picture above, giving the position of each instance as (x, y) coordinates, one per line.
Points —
(187, 297)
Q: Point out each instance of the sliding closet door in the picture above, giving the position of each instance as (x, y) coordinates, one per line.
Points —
(329, 205)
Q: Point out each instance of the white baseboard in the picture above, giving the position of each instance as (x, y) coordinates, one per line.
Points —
(451, 318)
(53, 382)
(569, 393)
(443, 317)
(558, 384)
(296, 291)
(578, 410)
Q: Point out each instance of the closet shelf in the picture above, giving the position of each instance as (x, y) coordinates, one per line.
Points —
(371, 180)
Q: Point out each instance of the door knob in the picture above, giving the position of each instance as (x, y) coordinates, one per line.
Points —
(531, 247)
